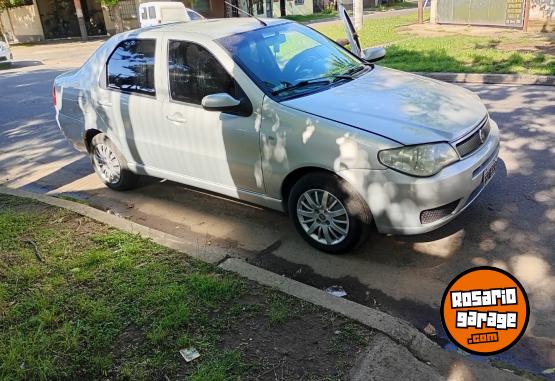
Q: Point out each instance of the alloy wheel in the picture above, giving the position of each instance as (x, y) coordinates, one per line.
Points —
(107, 163)
(323, 217)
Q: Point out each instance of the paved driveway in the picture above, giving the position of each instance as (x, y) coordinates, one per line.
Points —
(512, 225)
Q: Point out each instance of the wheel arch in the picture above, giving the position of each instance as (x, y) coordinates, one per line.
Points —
(294, 176)
(88, 137)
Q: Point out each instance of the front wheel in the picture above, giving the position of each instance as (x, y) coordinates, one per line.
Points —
(328, 213)
(110, 165)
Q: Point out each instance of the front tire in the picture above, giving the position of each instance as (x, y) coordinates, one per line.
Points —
(110, 165)
(328, 213)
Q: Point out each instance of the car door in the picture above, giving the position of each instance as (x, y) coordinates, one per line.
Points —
(352, 35)
(128, 99)
(208, 147)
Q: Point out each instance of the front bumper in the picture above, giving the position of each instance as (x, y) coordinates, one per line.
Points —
(397, 200)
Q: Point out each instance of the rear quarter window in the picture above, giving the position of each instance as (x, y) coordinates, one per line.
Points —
(130, 67)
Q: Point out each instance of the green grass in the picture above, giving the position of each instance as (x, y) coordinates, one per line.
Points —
(104, 304)
(462, 52)
(331, 14)
(68, 317)
(312, 17)
(395, 6)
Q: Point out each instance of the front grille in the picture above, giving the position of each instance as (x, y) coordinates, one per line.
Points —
(474, 141)
(432, 215)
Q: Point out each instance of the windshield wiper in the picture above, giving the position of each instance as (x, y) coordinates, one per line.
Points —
(324, 80)
(303, 83)
(353, 70)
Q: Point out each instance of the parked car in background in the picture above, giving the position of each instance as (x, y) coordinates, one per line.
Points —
(276, 114)
(6, 56)
(163, 12)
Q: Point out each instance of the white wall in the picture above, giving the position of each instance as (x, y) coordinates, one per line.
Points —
(26, 24)
(292, 9)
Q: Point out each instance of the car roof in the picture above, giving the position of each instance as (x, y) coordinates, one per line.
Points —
(215, 28)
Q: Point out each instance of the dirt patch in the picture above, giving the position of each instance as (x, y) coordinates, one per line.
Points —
(442, 30)
(312, 346)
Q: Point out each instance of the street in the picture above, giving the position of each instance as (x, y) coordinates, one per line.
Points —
(511, 225)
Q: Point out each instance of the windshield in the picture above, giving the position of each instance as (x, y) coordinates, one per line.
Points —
(290, 58)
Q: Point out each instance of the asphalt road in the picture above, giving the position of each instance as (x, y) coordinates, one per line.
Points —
(511, 225)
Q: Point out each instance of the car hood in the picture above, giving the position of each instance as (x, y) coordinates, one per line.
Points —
(407, 108)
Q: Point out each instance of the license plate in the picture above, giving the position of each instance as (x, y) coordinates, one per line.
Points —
(489, 172)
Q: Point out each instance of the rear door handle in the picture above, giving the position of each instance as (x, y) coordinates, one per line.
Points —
(105, 103)
(176, 119)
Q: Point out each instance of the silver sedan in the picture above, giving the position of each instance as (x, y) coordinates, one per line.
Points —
(274, 113)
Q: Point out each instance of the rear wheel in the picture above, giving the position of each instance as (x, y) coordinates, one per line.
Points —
(110, 165)
(328, 213)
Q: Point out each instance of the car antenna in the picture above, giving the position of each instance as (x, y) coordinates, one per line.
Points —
(245, 12)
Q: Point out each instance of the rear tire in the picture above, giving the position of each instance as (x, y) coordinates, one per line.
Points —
(110, 165)
(328, 213)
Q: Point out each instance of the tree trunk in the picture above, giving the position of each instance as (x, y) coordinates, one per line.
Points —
(420, 11)
(14, 38)
(358, 10)
(80, 19)
(119, 19)
(2, 31)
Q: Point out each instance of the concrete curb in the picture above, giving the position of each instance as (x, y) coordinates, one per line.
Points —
(421, 347)
(425, 351)
(399, 330)
(501, 79)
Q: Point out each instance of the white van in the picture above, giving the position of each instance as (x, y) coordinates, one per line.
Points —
(163, 12)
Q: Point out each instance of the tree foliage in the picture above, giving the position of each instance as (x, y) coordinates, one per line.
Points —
(4, 4)
(108, 3)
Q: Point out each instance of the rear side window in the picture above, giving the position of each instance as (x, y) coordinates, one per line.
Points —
(130, 68)
(194, 73)
(194, 15)
(144, 14)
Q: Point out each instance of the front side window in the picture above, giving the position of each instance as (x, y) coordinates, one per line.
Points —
(151, 13)
(194, 73)
(290, 59)
(130, 68)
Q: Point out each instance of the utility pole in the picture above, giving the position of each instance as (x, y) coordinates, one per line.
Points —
(358, 10)
(420, 11)
(80, 19)
(526, 15)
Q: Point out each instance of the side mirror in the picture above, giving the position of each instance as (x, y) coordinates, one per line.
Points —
(373, 54)
(219, 102)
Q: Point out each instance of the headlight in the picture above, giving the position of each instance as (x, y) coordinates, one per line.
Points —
(422, 160)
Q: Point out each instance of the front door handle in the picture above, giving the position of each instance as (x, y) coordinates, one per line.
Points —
(176, 118)
(105, 103)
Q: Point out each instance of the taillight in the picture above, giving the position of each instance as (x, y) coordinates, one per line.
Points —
(54, 100)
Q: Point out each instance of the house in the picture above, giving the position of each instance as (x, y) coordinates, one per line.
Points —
(40, 20)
